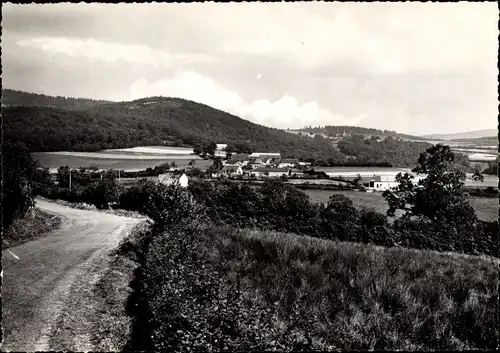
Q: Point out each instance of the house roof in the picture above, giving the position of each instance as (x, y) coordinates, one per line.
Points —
(377, 178)
(230, 168)
(257, 161)
(265, 154)
(239, 156)
(272, 170)
(289, 160)
(232, 163)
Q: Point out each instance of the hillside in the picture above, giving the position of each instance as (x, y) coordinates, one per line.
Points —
(149, 121)
(180, 122)
(338, 131)
(12, 98)
(464, 135)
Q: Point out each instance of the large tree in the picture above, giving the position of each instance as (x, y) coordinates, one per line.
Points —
(438, 196)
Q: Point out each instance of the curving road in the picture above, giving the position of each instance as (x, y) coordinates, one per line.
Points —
(43, 302)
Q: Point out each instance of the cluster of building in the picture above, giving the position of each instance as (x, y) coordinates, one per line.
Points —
(259, 164)
(268, 165)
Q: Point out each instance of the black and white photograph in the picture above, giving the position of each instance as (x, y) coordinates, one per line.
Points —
(250, 176)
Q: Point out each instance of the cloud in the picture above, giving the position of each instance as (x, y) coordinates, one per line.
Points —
(284, 112)
(412, 67)
(108, 52)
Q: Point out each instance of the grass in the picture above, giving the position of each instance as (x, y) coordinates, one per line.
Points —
(29, 228)
(486, 208)
(276, 290)
(53, 161)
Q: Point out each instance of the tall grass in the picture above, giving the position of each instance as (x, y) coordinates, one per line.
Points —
(255, 290)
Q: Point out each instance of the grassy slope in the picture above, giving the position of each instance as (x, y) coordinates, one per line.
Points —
(30, 228)
(274, 289)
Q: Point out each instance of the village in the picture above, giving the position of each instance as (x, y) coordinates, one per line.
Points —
(264, 165)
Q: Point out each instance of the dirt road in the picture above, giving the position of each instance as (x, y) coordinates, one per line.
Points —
(48, 282)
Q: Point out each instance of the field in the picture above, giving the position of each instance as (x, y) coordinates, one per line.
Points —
(128, 159)
(486, 208)
(285, 292)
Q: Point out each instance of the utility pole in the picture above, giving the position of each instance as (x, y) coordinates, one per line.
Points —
(70, 178)
(119, 176)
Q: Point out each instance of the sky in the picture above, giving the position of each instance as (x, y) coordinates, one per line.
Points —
(417, 68)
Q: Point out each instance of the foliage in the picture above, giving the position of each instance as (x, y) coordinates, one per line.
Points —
(438, 196)
(337, 131)
(20, 182)
(391, 151)
(12, 98)
(171, 121)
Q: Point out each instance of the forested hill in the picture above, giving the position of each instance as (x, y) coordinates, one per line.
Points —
(150, 121)
(179, 122)
(13, 98)
(338, 131)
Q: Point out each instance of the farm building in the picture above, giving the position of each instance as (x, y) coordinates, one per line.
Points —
(240, 157)
(231, 170)
(258, 163)
(167, 179)
(270, 172)
(220, 150)
(379, 184)
(265, 155)
(288, 162)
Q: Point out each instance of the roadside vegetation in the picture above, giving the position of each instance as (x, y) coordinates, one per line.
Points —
(31, 227)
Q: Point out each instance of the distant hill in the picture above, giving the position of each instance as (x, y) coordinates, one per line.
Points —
(464, 135)
(46, 123)
(339, 131)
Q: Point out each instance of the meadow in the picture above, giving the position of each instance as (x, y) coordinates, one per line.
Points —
(128, 159)
(486, 208)
(280, 291)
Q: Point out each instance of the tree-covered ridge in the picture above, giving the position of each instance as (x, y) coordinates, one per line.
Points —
(171, 121)
(13, 98)
(179, 122)
(337, 131)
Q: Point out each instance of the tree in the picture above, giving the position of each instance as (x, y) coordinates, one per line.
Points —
(477, 176)
(439, 196)
(192, 163)
(18, 182)
(210, 148)
(217, 164)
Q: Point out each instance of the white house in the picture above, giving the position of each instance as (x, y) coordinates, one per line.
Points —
(167, 179)
(288, 163)
(220, 150)
(270, 172)
(379, 184)
(231, 170)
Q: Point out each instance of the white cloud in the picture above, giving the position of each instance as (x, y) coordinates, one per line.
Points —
(284, 112)
(108, 52)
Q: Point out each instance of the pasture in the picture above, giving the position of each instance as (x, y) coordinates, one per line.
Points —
(128, 159)
(486, 208)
